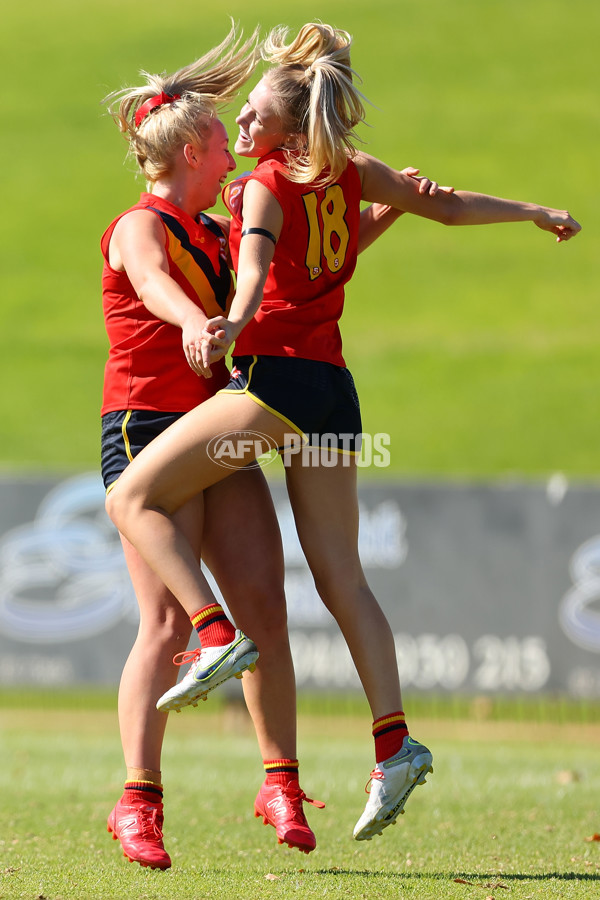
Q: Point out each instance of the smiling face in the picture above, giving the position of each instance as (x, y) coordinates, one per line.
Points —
(260, 126)
(215, 163)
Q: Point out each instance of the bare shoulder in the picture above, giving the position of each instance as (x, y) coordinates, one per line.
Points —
(367, 164)
(261, 208)
(138, 221)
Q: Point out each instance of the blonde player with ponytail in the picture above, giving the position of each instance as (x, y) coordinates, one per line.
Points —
(166, 270)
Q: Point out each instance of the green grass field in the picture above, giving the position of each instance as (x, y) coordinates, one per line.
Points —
(510, 812)
(476, 349)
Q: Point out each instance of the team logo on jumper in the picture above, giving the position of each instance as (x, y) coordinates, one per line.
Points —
(242, 449)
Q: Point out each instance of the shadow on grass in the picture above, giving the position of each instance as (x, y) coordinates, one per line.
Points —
(532, 876)
(467, 876)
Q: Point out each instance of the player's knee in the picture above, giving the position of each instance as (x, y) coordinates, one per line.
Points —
(270, 608)
(342, 592)
(264, 618)
(121, 507)
(166, 635)
(114, 507)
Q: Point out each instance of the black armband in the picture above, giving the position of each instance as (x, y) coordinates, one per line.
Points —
(262, 231)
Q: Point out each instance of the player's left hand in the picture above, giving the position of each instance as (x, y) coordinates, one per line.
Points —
(558, 222)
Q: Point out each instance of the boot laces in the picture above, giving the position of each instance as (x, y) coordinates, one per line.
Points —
(376, 775)
(296, 796)
(187, 656)
(151, 820)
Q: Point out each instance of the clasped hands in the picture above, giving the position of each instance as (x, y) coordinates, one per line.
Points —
(217, 337)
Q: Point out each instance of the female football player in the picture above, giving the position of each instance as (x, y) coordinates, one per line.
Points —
(166, 269)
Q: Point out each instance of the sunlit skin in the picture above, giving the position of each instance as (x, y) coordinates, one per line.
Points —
(215, 162)
(199, 172)
(260, 126)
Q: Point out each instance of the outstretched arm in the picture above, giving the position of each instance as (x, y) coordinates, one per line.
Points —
(383, 184)
(377, 218)
(375, 221)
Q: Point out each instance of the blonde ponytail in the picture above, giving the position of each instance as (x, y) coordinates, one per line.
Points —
(316, 98)
(168, 111)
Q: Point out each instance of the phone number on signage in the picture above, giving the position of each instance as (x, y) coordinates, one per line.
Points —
(429, 661)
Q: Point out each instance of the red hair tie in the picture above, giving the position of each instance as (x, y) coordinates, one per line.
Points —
(152, 103)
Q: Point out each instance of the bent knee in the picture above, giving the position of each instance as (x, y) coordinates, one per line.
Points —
(342, 591)
(113, 506)
(168, 634)
(122, 507)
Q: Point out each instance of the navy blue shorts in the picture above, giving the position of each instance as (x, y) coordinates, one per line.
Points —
(125, 433)
(318, 399)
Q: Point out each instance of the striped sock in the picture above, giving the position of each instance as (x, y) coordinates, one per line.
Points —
(213, 627)
(147, 791)
(281, 771)
(389, 732)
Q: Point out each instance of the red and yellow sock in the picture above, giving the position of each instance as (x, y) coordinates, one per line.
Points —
(143, 784)
(213, 627)
(389, 732)
(281, 771)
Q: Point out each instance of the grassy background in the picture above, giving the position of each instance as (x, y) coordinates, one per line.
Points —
(476, 349)
(510, 812)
